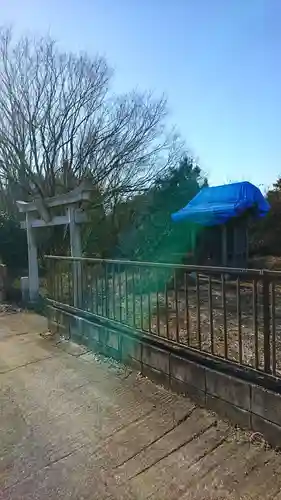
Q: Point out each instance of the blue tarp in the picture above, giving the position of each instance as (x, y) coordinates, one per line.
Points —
(216, 205)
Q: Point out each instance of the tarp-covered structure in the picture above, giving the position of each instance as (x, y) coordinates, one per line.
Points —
(225, 212)
(217, 205)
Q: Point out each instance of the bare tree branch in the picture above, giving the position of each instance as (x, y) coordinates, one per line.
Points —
(59, 123)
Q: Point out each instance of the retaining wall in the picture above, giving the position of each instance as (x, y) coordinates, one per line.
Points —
(242, 402)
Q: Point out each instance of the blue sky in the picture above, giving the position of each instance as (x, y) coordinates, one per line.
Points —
(218, 61)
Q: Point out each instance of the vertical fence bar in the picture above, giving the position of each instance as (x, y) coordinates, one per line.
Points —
(70, 278)
(48, 280)
(70, 270)
(133, 297)
(55, 272)
(149, 309)
(273, 323)
(186, 307)
(141, 298)
(113, 292)
(82, 285)
(66, 283)
(198, 311)
(51, 279)
(255, 322)
(104, 294)
(106, 290)
(157, 310)
(95, 271)
(79, 283)
(120, 293)
(55, 276)
(86, 291)
(60, 282)
(79, 271)
(225, 339)
(101, 282)
(56, 280)
(97, 288)
(92, 285)
(87, 297)
(126, 296)
(100, 278)
(167, 311)
(176, 305)
(210, 305)
(94, 291)
(266, 323)
(238, 297)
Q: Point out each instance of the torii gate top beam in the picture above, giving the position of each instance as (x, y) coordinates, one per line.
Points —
(67, 201)
(82, 193)
(57, 201)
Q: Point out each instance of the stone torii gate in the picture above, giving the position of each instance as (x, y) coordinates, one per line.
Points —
(38, 213)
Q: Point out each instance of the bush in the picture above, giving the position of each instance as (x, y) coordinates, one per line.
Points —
(13, 244)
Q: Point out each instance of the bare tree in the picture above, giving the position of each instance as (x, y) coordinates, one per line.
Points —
(59, 123)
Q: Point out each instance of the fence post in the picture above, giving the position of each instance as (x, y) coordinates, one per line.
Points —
(76, 251)
(266, 323)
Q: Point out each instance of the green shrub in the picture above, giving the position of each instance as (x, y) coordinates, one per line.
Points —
(13, 244)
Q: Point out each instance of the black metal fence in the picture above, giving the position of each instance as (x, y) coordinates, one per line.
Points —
(227, 313)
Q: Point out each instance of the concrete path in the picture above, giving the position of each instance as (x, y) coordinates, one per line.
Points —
(75, 426)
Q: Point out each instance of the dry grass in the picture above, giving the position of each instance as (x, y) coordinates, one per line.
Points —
(195, 326)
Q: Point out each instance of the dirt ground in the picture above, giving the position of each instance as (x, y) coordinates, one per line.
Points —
(224, 339)
(74, 425)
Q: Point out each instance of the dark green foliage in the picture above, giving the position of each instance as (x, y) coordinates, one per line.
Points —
(265, 234)
(13, 245)
(150, 234)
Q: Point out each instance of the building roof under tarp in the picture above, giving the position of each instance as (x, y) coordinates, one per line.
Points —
(216, 205)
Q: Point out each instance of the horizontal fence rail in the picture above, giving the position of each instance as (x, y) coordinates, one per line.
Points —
(227, 313)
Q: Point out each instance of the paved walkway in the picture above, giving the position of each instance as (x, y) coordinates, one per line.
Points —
(75, 426)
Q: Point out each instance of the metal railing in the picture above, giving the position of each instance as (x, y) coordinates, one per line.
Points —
(231, 314)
